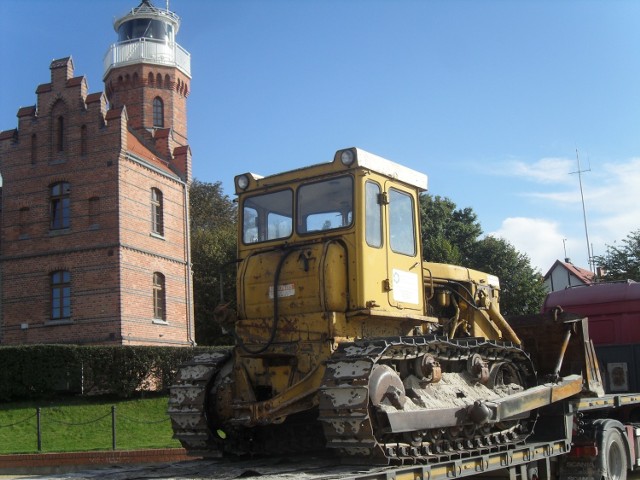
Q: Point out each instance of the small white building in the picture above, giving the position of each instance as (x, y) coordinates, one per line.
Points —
(562, 275)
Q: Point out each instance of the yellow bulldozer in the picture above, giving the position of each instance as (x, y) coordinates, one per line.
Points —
(346, 339)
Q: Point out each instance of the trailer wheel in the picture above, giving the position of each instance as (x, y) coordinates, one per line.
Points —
(613, 458)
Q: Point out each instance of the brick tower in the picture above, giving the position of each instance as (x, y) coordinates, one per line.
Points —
(149, 73)
(94, 245)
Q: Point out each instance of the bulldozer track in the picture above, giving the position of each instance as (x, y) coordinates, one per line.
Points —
(187, 400)
(349, 420)
(190, 401)
(346, 415)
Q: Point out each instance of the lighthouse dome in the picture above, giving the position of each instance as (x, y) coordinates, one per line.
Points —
(147, 35)
(147, 21)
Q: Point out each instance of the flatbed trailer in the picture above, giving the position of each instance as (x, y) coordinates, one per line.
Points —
(580, 432)
(558, 449)
(588, 436)
(571, 455)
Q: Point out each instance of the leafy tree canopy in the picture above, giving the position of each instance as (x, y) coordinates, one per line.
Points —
(452, 235)
(448, 234)
(522, 288)
(210, 207)
(622, 262)
(213, 253)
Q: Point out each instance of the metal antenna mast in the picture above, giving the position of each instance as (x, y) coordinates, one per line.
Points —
(584, 210)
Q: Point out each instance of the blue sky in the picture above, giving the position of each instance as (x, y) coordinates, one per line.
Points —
(491, 99)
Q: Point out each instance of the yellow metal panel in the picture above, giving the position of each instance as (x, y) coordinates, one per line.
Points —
(311, 279)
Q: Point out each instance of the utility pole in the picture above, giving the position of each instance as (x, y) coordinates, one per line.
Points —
(584, 211)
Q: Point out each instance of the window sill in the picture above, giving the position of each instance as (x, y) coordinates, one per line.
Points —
(157, 321)
(59, 231)
(156, 235)
(53, 323)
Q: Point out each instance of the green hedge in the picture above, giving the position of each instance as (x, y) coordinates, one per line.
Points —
(42, 371)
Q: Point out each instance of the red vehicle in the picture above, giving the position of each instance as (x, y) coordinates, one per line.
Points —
(613, 310)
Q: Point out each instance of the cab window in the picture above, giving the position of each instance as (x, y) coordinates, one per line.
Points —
(373, 215)
(267, 217)
(325, 205)
(401, 223)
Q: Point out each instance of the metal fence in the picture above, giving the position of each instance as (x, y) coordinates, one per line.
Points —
(39, 416)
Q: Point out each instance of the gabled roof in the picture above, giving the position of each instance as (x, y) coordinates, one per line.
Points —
(138, 149)
(585, 276)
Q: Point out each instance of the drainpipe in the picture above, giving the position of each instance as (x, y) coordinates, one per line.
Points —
(188, 270)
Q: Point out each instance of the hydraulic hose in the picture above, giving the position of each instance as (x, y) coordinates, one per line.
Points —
(276, 312)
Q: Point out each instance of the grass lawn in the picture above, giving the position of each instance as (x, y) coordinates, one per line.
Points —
(82, 424)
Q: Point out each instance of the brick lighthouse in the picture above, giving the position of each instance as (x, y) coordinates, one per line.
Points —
(150, 74)
(94, 233)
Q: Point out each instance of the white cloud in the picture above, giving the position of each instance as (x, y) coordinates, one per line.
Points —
(612, 207)
(537, 237)
(564, 198)
(617, 185)
(542, 215)
(610, 190)
(545, 170)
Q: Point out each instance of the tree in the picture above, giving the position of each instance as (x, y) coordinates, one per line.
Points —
(522, 288)
(448, 234)
(213, 254)
(622, 263)
(452, 235)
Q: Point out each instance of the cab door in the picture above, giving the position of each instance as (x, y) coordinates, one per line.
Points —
(404, 280)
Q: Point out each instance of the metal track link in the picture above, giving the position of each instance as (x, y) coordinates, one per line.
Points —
(187, 403)
(349, 420)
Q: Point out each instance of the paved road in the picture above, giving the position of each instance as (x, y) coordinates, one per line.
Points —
(264, 469)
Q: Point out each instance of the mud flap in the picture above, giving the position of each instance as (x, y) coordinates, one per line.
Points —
(579, 468)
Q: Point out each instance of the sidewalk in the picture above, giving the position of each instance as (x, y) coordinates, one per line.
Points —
(55, 463)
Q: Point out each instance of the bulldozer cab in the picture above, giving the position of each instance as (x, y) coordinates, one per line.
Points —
(363, 207)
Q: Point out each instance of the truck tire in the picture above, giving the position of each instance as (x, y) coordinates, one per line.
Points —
(613, 455)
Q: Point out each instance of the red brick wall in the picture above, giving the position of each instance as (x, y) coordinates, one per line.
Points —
(108, 248)
(146, 252)
(95, 301)
(130, 85)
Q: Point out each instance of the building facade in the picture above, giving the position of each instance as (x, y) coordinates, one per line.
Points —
(94, 233)
(565, 274)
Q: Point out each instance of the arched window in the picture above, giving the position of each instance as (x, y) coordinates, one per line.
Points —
(159, 297)
(60, 205)
(157, 221)
(60, 295)
(158, 113)
(150, 78)
(159, 81)
(60, 134)
(83, 140)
